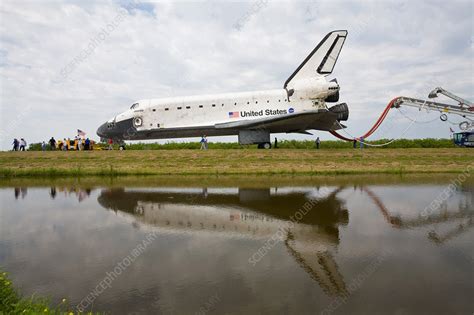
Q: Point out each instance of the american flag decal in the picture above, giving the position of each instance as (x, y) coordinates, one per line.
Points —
(233, 114)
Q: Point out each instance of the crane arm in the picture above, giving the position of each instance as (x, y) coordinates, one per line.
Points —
(442, 107)
(464, 109)
(439, 90)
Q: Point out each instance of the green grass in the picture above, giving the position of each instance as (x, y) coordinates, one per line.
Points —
(235, 162)
(11, 302)
(284, 144)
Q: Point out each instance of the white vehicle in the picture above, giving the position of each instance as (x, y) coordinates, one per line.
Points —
(253, 116)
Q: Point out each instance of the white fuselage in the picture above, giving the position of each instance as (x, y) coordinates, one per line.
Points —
(209, 110)
(199, 115)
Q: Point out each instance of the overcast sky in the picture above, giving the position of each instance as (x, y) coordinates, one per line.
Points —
(68, 65)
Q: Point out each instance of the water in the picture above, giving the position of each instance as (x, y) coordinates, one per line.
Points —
(289, 246)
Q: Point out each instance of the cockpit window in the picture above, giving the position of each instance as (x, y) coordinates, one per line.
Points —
(134, 106)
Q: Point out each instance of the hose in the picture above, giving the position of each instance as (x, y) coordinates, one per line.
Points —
(374, 127)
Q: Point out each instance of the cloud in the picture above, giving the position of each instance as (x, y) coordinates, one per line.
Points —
(170, 49)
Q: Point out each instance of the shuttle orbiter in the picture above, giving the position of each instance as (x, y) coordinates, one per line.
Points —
(253, 116)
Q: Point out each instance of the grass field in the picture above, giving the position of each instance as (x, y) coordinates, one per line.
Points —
(236, 162)
(282, 144)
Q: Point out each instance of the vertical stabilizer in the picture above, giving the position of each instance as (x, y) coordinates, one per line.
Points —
(321, 61)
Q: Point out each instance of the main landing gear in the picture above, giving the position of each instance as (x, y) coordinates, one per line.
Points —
(259, 137)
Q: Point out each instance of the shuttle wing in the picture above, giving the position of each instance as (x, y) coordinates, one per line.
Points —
(317, 119)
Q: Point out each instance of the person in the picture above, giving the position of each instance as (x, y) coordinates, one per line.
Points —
(75, 143)
(66, 144)
(60, 145)
(111, 142)
(276, 143)
(16, 143)
(52, 192)
(79, 144)
(354, 143)
(52, 143)
(43, 146)
(361, 142)
(203, 143)
(22, 144)
(318, 142)
(87, 144)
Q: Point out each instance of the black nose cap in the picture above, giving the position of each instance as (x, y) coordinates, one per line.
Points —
(102, 131)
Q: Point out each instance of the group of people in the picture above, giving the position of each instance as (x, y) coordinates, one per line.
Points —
(19, 145)
(80, 144)
(77, 144)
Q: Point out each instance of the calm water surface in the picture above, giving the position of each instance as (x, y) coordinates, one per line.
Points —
(325, 247)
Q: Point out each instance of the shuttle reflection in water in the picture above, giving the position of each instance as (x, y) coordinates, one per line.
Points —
(247, 213)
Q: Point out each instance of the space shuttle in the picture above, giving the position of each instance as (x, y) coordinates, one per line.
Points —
(301, 105)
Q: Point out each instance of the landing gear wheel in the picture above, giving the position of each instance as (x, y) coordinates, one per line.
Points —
(266, 145)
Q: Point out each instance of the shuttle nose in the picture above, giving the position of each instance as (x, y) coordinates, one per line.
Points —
(120, 130)
(102, 131)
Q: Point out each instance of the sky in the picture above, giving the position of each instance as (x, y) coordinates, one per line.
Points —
(68, 65)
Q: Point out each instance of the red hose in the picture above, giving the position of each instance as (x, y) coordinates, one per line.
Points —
(374, 127)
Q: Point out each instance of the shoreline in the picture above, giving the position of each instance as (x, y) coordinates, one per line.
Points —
(52, 173)
(247, 181)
